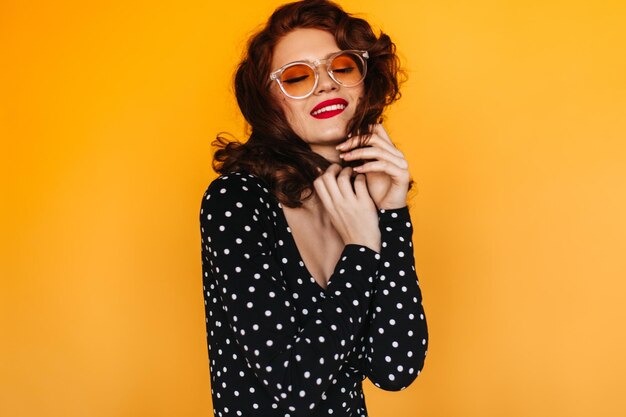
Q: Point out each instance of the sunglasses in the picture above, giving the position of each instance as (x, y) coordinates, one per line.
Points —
(299, 79)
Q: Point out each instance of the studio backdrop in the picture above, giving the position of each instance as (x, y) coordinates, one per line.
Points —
(513, 120)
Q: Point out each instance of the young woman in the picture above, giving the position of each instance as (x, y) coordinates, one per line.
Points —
(309, 276)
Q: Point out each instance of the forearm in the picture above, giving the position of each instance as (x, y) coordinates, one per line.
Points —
(397, 337)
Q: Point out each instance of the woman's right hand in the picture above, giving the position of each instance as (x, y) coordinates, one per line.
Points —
(352, 211)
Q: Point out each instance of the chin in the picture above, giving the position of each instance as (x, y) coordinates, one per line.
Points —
(331, 137)
(335, 132)
(319, 134)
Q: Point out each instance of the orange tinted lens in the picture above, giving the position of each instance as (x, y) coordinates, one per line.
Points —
(347, 68)
(298, 80)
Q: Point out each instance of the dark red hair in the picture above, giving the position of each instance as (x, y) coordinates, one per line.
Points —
(273, 151)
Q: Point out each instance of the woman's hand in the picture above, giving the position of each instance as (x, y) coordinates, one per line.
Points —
(388, 175)
(352, 211)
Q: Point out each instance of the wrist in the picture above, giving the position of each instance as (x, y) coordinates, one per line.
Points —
(372, 242)
(392, 206)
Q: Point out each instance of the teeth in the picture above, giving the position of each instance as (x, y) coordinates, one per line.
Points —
(329, 108)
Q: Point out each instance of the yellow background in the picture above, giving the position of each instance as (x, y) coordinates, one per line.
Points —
(514, 124)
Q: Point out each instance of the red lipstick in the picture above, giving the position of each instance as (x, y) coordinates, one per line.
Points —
(339, 105)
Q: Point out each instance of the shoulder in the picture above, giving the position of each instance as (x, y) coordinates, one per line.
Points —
(240, 190)
(236, 182)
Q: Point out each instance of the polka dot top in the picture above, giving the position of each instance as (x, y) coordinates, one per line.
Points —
(279, 343)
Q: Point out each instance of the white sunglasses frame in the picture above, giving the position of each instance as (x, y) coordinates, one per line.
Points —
(363, 55)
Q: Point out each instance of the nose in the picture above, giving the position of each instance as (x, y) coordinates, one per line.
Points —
(325, 83)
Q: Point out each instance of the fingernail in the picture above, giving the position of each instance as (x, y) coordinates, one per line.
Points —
(340, 145)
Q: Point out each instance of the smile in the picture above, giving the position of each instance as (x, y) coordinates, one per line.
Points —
(329, 108)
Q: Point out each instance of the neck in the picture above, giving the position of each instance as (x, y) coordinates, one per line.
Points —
(328, 152)
(315, 208)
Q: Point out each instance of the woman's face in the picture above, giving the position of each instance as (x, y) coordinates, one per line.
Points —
(322, 134)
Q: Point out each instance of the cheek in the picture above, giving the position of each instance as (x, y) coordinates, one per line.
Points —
(359, 93)
(293, 111)
(284, 107)
(358, 97)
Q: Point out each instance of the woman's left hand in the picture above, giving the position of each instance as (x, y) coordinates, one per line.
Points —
(387, 175)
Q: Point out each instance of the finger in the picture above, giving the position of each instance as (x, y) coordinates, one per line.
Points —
(380, 130)
(372, 152)
(324, 196)
(334, 169)
(344, 184)
(349, 143)
(360, 187)
(376, 140)
(387, 145)
(330, 182)
(398, 175)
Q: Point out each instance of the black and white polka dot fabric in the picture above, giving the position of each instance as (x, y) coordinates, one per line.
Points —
(280, 344)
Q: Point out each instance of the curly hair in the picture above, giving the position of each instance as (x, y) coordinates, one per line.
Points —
(273, 151)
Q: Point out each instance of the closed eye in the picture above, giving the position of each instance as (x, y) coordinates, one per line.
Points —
(344, 70)
(294, 80)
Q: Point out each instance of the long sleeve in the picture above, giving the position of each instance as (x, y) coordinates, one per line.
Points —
(295, 361)
(397, 338)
